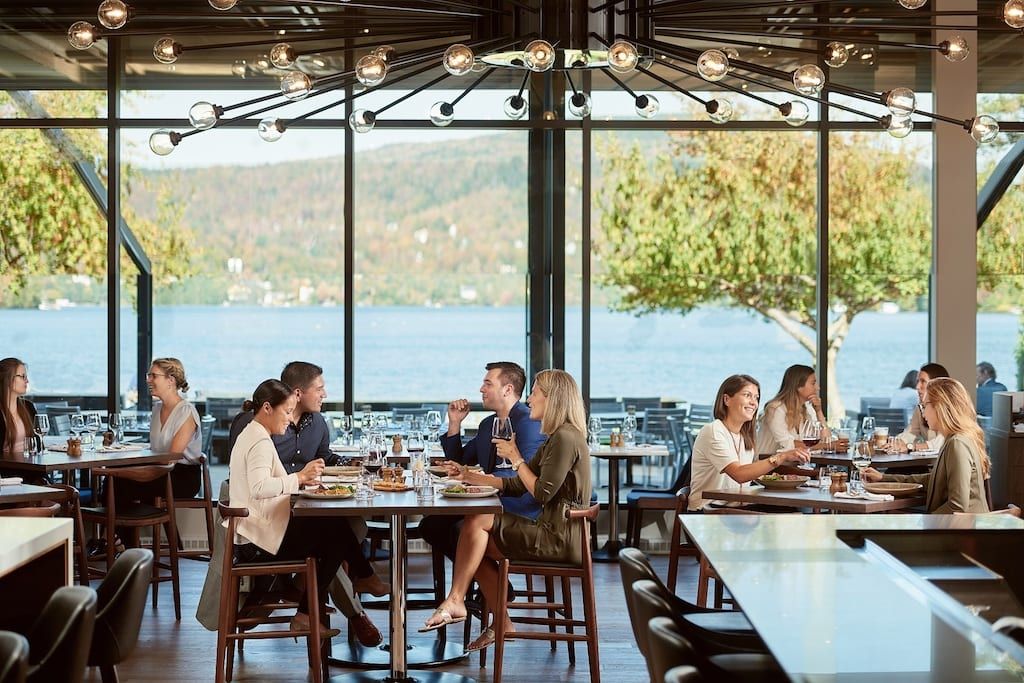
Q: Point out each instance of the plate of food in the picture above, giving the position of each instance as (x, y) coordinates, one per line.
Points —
(898, 489)
(391, 486)
(782, 481)
(466, 491)
(332, 491)
(343, 470)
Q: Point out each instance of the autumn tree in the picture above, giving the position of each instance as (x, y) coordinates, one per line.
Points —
(729, 217)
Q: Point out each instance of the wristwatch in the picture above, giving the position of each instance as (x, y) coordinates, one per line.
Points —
(515, 465)
(774, 460)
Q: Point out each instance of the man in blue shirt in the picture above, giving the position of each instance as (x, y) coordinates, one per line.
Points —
(500, 391)
(987, 385)
(308, 438)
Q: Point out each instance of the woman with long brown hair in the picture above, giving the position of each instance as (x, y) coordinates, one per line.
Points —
(785, 414)
(16, 412)
(957, 482)
(919, 434)
(723, 454)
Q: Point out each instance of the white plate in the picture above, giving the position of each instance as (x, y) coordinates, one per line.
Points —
(324, 496)
(487, 491)
(336, 479)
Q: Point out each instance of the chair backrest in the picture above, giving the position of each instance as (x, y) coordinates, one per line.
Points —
(232, 515)
(683, 440)
(683, 674)
(606, 405)
(641, 403)
(668, 648)
(869, 402)
(65, 409)
(13, 657)
(398, 413)
(656, 425)
(59, 640)
(648, 604)
(60, 425)
(206, 424)
(893, 418)
(121, 600)
(700, 415)
(633, 567)
(43, 510)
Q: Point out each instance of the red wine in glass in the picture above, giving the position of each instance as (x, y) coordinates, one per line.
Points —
(809, 442)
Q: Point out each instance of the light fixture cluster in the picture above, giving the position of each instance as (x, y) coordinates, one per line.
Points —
(737, 36)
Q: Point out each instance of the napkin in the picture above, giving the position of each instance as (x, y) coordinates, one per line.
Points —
(865, 495)
(120, 448)
(9, 481)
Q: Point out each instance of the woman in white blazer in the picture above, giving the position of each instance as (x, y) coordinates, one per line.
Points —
(260, 483)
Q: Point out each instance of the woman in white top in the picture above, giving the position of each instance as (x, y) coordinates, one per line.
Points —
(260, 482)
(723, 454)
(174, 428)
(918, 435)
(784, 415)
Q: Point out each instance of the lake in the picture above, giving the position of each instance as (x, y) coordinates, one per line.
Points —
(428, 354)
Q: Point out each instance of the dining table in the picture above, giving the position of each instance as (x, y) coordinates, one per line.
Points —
(48, 461)
(812, 497)
(398, 506)
(609, 552)
(35, 560)
(11, 494)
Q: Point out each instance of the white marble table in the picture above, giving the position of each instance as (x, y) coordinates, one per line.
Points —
(35, 560)
(828, 613)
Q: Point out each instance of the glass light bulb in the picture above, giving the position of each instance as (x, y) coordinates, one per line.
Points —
(458, 59)
(646, 106)
(901, 101)
(913, 4)
(239, 68)
(579, 59)
(712, 65)
(371, 70)
(955, 49)
(1013, 13)
(82, 35)
(270, 129)
(898, 126)
(836, 55)
(113, 13)
(720, 110)
(580, 105)
(866, 56)
(282, 55)
(441, 114)
(479, 66)
(622, 57)
(223, 5)
(515, 107)
(262, 62)
(984, 129)
(385, 52)
(166, 51)
(795, 113)
(362, 120)
(539, 55)
(731, 53)
(163, 141)
(296, 85)
(203, 115)
(808, 79)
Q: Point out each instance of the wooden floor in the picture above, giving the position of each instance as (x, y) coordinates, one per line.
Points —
(171, 651)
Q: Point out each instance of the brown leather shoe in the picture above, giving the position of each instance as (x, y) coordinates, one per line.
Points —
(365, 631)
(371, 584)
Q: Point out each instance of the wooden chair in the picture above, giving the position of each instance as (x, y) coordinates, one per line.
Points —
(679, 545)
(559, 614)
(203, 501)
(233, 622)
(159, 514)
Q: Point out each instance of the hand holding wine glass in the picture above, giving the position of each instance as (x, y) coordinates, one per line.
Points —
(810, 433)
(501, 430)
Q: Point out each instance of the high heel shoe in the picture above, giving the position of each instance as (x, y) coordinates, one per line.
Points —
(300, 622)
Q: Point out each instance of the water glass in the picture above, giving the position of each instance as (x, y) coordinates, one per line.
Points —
(434, 423)
(346, 429)
(825, 478)
(629, 430)
(78, 425)
(867, 427)
(594, 430)
(424, 487)
(861, 458)
(92, 425)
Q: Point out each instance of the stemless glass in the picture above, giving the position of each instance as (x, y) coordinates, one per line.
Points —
(42, 428)
(501, 428)
(92, 425)
(861, 460)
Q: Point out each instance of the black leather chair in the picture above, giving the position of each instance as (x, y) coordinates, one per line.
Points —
(13, 657)
(121, 600)
(683, 674)
(712, 662)
(668, 648)
(59, 640)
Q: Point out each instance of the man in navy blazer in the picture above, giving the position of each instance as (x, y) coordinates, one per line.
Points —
(500, 391)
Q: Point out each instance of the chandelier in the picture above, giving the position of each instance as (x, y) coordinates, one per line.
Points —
(722, 45)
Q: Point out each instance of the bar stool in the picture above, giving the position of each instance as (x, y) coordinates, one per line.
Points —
(559, 614)
(138, 515)
(231, 625)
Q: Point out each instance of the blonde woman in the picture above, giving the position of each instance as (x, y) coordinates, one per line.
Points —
(558, 477)
(784, 415)
(957, 482)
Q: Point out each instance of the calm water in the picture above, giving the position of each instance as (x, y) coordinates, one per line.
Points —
(413, 354)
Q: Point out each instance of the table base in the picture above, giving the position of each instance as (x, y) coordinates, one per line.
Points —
(410, 677)
(356, 656)
(609, 552)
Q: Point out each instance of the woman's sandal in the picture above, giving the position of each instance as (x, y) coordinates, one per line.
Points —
(446, 618)
(485, 639)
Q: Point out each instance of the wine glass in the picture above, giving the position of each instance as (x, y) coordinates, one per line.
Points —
(78, 425)
(629, 429)
(434, 423)
(42, 428)
(594, 427)
(861, 460)
(346, 429)
(92, 425)
(501, 428)
(810, 433)
(116, 424)
(867, 427)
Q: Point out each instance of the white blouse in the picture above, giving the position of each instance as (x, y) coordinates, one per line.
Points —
(774, 433)
(161, 435)
(715, 449)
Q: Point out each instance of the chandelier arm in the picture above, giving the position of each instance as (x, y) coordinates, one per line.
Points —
(378, 41)
(475, 83)
(568, 77)
(390, 8)
(255, 100)
(669, 8)
(727, 86)
(746, 43)
(821, 39)
(767, 21)
(413, 92)
(522, 86)
(672, 85)
(621, 84)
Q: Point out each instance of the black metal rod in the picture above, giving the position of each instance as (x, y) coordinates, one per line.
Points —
(413, 92)
(622, 85)
(380, 41)
(522, 86)
(672, 85)
(472, 85)
(732, 41)
(572, 85)
(802, 36)
(727, 86)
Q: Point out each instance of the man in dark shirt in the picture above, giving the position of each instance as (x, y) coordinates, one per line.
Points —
(308, 438)
(500, 391)
(987, 385)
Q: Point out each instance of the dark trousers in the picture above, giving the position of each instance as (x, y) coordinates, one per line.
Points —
(442, 532)
(186, 480)
(329, 540)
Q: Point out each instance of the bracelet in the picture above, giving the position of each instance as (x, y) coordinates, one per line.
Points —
(516, 465)
(774, 461)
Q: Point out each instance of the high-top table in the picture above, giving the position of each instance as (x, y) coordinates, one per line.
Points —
(609, 552)
(35, 560)
(397, 506)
